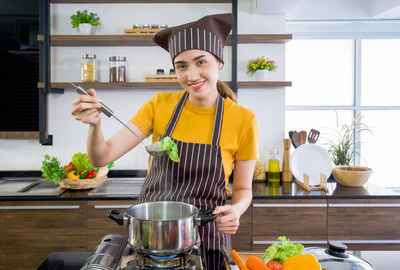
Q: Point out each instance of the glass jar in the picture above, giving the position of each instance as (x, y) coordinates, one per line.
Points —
(136, 26)
(88, 70)
(117, 69)
(260, 170)
(164, 26)
(273, 167)
(160, 71)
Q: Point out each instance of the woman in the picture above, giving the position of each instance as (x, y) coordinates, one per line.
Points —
(212, 133)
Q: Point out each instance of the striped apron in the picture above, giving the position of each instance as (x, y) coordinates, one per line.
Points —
(198, 179)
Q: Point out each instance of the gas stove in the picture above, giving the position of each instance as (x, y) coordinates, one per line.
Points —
(115, 253)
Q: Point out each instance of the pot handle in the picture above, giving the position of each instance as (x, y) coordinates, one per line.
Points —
(204, 217)
(117, 215)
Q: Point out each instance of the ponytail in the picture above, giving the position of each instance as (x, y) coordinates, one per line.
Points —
(225, 91)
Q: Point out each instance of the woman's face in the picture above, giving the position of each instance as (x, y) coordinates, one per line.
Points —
(197, 72)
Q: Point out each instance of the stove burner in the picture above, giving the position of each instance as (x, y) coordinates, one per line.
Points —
(162, 258)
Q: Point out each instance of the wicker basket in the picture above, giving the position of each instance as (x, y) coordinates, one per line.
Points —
(82, 183)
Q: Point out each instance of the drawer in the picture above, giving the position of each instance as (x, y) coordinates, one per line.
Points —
(289, 217)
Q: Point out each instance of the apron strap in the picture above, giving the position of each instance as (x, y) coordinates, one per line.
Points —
(219, 113)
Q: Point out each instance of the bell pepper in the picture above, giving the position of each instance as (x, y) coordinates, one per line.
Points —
(69, 167)
(83, 174)
(73, 175)
(91, 174)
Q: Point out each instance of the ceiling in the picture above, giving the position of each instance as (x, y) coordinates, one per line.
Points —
(330, 10)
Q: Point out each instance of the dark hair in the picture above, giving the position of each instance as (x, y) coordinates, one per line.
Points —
(225, 91)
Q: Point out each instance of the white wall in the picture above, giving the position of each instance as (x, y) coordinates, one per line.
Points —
(69, 135)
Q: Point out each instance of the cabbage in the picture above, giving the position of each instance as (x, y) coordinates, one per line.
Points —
(168, 144)
(281, 251)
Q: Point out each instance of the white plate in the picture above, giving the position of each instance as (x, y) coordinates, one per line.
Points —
(312, 160)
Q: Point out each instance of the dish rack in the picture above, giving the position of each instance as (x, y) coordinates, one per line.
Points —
(306, 180)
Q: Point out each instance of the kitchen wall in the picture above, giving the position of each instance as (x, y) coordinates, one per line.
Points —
(69, 135)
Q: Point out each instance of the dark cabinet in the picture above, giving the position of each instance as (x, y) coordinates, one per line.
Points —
(364, 224)
(34, 229)
(300, 220)
(99, 225)
(241, 241)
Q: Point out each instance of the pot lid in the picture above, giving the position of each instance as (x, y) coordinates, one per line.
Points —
(336, 257)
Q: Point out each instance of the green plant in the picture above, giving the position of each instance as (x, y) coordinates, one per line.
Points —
(260, 63)
(343, 147)
(51, 169)
(84, 17)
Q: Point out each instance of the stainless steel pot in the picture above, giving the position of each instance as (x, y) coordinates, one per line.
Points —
(162, 228)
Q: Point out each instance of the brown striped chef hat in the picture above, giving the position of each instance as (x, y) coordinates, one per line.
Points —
(208, 34)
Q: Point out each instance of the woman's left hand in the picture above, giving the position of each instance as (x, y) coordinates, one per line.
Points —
(229, 221)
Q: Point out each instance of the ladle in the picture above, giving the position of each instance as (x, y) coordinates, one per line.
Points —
(152, 149)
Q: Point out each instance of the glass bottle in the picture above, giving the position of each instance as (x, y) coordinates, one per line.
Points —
(88, 73)
(117, 69)
(273, 167)
(260, 170)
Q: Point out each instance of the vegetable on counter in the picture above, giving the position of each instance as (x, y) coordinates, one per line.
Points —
(274, 265)
(255, 263)
(302, 262)
(281, 251)
(81, 161)
(238, 260)
(52, 170)
(72, 175)
(168, 144)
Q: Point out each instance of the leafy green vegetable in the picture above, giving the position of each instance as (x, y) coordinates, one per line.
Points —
(81, 162)
(167, 143)
(51, 169)
(281, 251)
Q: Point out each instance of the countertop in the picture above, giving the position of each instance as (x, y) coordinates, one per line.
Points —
(261, 191)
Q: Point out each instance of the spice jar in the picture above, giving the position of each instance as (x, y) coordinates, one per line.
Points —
(172, 71)
(164, 26)
(88, 73)
(145, 26)
(136, 26)
(117, 69)
(260, 170)
(160, 71)
(155, 26)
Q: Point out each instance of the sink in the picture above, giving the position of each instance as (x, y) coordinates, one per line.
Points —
(28, 186)
(119, 187)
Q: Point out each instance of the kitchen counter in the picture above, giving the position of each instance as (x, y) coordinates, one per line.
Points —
(261, 190)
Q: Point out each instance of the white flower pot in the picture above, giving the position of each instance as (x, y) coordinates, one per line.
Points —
(262, 75)
(85, 28)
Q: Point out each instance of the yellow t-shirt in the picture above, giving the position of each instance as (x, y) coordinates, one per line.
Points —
(239, 134)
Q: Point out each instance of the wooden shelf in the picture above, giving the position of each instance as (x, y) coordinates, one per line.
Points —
(137, 1)
(19, 135)
(146, 40)
(157, 85)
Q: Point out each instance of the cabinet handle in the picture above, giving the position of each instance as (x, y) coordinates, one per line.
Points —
(311, 242)
(41, 207)
(364, 205)
(289, 205)
(368, 241)
(105, 206)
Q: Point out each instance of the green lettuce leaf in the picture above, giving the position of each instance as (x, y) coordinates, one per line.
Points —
(81, 162)
(281, 251)
(168, 144)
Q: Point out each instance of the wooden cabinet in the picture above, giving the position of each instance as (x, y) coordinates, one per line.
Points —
(2, 241)
(99, 224)
(241, 241)
(364, 224)
(300, 220)
(34, 229)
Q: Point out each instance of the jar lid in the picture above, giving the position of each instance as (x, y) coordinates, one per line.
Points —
(172, 70)
(89, 56)
(117, 58)
(160, 70)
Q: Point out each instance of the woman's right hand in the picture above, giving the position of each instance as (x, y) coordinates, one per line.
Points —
(86, 108)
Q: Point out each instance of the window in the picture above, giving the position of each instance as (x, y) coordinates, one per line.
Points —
(336, 79)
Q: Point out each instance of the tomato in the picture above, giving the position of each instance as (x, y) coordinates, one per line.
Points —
(274, 265)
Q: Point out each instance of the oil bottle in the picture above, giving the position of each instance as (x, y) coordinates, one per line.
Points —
(273, 167)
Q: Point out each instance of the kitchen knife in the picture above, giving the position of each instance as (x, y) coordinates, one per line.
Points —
(229, 259)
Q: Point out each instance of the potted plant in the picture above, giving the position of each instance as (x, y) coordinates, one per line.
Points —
(261, 67)
(343, 150)
(85, 21)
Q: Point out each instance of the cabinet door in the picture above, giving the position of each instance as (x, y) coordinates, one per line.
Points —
(241, 241)
(365, 224)
(303, 219)
(2, 240)
(35, 229)
(99, 224)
